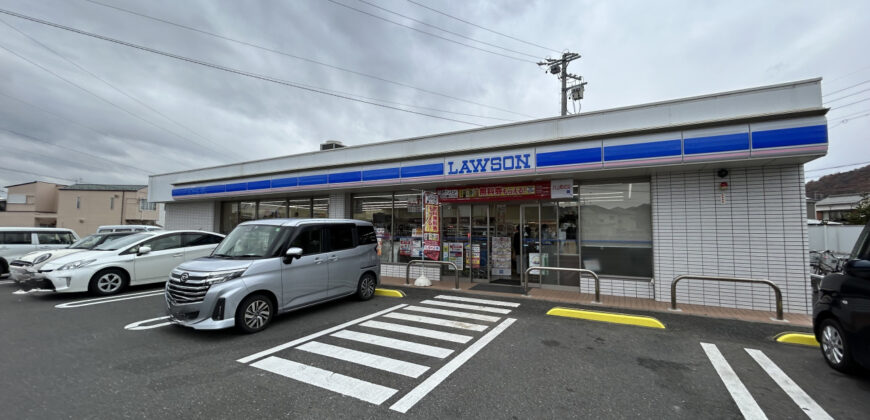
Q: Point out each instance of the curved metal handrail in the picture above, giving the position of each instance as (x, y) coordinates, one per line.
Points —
(573, 270)
(773, 285)
(424, 262)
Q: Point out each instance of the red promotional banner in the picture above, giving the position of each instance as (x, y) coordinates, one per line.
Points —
(503, 192)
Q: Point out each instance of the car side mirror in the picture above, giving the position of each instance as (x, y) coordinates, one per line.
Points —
(858, 268)
(143, 250)
(292, 254)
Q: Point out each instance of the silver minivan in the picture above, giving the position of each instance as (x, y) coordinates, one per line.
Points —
(266, 267)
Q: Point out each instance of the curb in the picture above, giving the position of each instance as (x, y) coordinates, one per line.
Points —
(802, 339)
(611, 317)
(389, 293)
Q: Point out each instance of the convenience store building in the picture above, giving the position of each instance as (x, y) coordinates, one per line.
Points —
(708, 185)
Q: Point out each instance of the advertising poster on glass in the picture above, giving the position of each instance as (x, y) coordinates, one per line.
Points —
(431, 227)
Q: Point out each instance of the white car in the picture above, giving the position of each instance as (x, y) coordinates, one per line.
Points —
(25, 269)
(17, 241)
(127, 228)
(140, 258)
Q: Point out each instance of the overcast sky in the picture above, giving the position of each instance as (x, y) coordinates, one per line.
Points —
(156, 114)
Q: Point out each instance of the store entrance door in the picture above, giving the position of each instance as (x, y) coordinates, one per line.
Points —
(539, 242)
(465, 236)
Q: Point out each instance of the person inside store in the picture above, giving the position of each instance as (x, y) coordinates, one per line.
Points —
(515, 249)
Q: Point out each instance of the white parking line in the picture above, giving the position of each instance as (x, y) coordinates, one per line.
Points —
(474, 300)
(387, 364)
(138, 325)
(7, 281)
(456, 314)
(464, 306)
(393, 343)
(804, 401)
(435, 321)
(422, 332)
(416, 394)
(108, 299)
(310, 337)
(345, 385)
(747, 405)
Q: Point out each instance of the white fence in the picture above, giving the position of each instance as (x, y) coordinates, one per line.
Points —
(838, 238)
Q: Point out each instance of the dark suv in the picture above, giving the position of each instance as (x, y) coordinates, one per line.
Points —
(841, 314)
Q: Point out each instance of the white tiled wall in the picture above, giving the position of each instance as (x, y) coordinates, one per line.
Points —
(340, 206)
(398, 270)
(199, 215)
(759, 231)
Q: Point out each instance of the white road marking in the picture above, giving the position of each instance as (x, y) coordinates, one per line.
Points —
(7, 281)
(375, 361)
(804, 401)
(345, 385)
(475, 300)
(422, 332)
(137, 326)
(436, 321)
(456, 314)
(108, 299)
(464, 306)
(310, 337)
(393, 343)
(747, 405)
(416, 394)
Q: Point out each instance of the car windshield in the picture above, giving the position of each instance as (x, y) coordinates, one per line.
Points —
(122, 242)
(87, 242)
(250, 241)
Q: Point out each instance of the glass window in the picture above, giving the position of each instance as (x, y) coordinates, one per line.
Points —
(300, 208)
(53, 238)
(320, 208)
(367, 235)
(247, 211)
(252, 241)
(123, 242)
(340, 237)
(616, 228)
(408, 226)
(145, 205)
(15, 238)
(164, 242)
(198, 239)
(272, 209)
(309, 239)
(377, 209)
(229, 216)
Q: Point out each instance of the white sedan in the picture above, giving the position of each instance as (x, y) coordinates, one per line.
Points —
(140, 258)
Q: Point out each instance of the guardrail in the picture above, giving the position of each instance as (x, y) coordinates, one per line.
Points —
(424, 262)
(582, 271)
(776, 290)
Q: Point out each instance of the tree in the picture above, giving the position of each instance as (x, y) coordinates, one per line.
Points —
(860, 215)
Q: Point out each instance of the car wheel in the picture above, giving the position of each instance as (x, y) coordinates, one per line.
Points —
(254, 313)
(108, 282)
(366, 288)
(834, 346)
(4, 268)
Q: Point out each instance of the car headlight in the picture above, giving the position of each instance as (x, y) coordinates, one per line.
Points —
(223, 276)
(75, 264)
(42, 258)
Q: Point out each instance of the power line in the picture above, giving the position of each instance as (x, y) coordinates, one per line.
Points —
(846, 120)
(95, 95)
(485, 29)
(223, 68)
(105, 82)
(846, 88)
(837, 167)
(852, 103)
(849, 115)
(297, 57)
(849, 74)
(36, 139)
(427, 33)
(18, 171)
(851, 94)
(445, 30)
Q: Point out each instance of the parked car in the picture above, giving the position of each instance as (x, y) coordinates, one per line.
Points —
(841, 314)
(25, 269)
(140, 258)
(127, 228)
(17, 241)
(267, 267)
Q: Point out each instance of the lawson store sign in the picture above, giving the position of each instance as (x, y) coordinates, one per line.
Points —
(737, 142)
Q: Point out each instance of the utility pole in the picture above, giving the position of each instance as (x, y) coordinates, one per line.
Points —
(560, 66)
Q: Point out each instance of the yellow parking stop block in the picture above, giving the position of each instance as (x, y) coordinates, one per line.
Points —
(611, 317)
(389, 293)
(797, 338)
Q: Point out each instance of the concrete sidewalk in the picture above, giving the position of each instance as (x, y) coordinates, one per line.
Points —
(618, 302)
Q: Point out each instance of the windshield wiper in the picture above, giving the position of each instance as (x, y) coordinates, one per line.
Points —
(221, 255)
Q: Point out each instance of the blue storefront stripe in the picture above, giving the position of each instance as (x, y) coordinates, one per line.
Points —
(241, 186)
(643, 150)
(713, 144)
(285, 182)
(569, 157)
(259, 185)
(423, 170)
(376, 174)
(313, 180)
(353, 176)
(797, 136)
(214, 189)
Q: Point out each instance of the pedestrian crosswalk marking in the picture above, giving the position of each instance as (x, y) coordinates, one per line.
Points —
(393, 343)
(422, 332)
(436, 321)
(375, 361)
(475, 300)
(466, 306)
(456, 314)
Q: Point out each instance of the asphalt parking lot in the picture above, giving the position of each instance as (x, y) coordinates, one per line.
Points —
(429, 354)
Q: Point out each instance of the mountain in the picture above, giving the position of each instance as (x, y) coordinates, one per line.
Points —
(856, 181)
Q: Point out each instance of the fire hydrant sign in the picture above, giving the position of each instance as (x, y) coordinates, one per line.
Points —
(431, 225)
